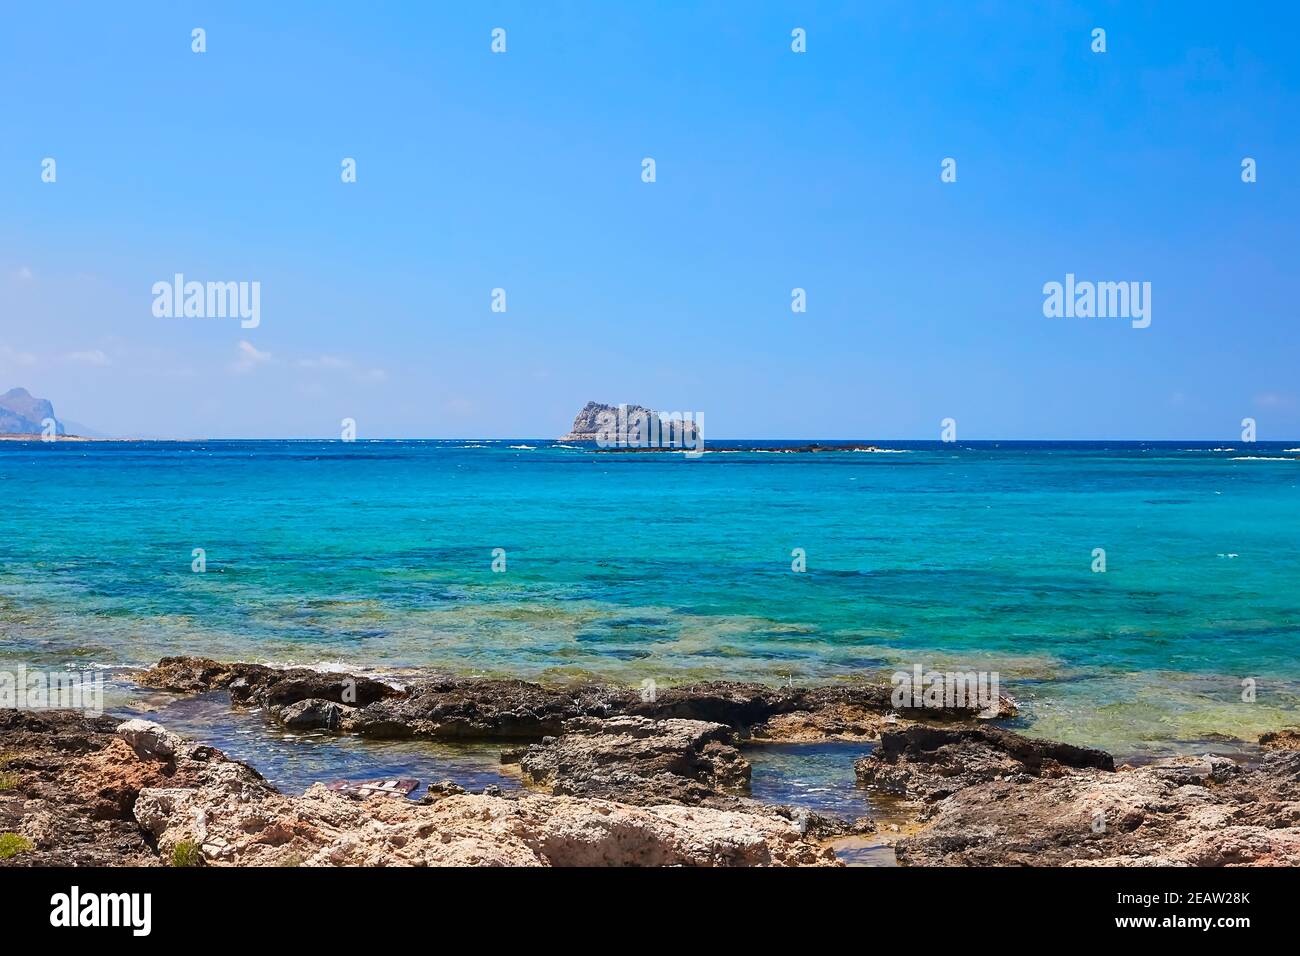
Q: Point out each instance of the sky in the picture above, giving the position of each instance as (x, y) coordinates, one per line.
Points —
(774, 170)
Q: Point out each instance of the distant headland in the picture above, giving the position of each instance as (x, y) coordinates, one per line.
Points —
(22, 413)
(24, 417)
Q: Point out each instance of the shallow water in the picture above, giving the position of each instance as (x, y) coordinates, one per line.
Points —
(820, 777)
(292, 762)
(971, 557)
(817, 776)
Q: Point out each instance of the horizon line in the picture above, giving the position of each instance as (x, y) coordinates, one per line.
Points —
(807, 441)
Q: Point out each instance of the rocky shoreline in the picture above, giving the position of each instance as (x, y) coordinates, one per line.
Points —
(609, 778)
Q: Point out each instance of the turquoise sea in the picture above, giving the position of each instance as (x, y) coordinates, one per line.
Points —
(969, 556)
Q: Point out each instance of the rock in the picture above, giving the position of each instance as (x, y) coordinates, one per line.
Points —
(444, 788)
(84, 796)
(991, 797)
(487, 708)
(644, 762)
(931, 763)
(483, 708)
(636, 760)
(1281, 740)
(311, 714)
(322, 828)
(833, 722)
(1194, 771)
(847, 710)
(736, 704)
(1184, 811)
(148, 739)
(73, 781)
(196, 675)
(430, 705)
(624, 425)
(77, 781)
(290, 687)
(855, 711)
(92, 791)
(262, 686)
(448, 707)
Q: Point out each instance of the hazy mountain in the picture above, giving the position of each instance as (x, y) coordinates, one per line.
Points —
(22, 413)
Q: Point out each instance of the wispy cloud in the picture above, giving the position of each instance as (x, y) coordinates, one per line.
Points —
(1274, 400)
(249, 358)
(334, 363)
(324, 361)
(12, 356)
(89, 357)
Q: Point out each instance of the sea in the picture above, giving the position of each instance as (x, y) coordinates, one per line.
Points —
(1143, 597)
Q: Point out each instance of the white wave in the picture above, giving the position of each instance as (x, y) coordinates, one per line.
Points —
(1261, 458)
(337, 667)
(321, 667)
(525, 447)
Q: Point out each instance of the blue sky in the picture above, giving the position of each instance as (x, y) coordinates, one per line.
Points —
(775, 170)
